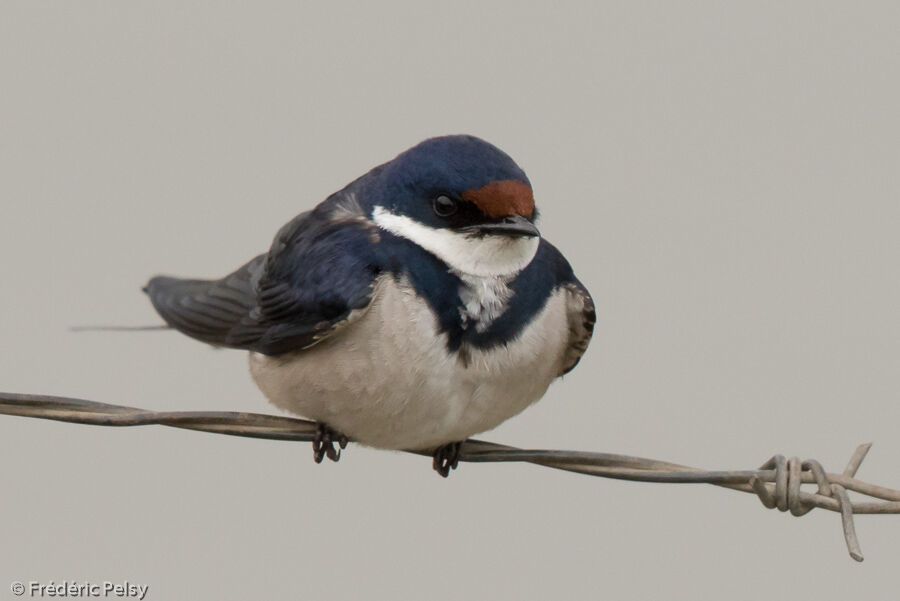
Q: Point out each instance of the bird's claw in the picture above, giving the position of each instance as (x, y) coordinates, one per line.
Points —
(446, 458)
(323, 443)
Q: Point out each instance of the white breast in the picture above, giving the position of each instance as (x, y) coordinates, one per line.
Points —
(388, 380)
(484, 299)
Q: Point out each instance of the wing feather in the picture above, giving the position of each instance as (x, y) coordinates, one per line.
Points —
(318, 272)
(582, 318)
(207, 309)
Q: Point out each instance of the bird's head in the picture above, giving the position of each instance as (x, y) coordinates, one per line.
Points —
(463, 200)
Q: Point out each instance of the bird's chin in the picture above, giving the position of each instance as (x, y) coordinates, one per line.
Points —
(474, 253)
(489, 255)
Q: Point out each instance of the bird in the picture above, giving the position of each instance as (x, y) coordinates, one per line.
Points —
(410, 310)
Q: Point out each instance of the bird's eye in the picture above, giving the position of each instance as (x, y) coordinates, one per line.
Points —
(444, 206)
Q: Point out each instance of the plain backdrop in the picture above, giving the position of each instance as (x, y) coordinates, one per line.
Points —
(724, 177)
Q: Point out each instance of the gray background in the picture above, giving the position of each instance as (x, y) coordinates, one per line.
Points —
(723, 177)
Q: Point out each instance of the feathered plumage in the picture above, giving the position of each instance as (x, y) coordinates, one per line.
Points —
(497, 304)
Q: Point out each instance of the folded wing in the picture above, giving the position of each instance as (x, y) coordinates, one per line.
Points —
(581, 324)
(318, 276)
(215, 311)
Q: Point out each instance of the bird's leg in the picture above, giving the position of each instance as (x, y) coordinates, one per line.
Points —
(323, 443)
(446, 458)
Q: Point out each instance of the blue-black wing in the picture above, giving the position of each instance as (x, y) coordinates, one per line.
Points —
(318, 275)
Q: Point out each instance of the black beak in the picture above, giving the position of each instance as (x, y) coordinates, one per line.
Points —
(514, 225)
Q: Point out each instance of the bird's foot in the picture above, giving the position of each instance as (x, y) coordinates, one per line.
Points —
(446, 458)
(323, 443)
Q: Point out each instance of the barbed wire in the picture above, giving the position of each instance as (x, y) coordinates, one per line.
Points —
(777, 482)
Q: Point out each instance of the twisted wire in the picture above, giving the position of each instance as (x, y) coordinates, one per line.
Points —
(777, 482)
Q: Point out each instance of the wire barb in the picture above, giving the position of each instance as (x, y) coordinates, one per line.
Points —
(785, 495)
(777, 482)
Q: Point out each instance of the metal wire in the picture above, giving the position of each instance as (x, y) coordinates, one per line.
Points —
(777, 482)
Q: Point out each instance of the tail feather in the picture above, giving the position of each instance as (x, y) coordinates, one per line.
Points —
(209, 310)
(118, 328)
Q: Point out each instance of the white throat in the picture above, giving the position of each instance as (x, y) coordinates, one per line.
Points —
(483, 256)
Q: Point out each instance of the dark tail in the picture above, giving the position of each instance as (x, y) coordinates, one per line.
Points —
(214, 311)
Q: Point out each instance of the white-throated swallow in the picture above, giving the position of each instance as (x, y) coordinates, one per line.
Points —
(415, 307)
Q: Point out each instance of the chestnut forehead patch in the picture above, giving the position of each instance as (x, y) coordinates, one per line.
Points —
(502, 199)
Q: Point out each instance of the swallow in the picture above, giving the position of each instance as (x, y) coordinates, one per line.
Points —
(412, 309)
